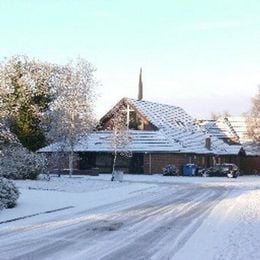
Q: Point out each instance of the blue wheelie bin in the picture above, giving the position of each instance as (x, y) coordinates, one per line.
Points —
(189, 169)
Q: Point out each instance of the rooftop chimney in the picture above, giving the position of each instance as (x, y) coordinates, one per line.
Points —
(140, 86)
(208, 143)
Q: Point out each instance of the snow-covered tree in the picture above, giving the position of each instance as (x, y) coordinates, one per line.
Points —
(216, 116)
(6, 136)
(120, 135)
(253, 119)
(17, 162)
(71, 113)
(8, 193)
(25, 93)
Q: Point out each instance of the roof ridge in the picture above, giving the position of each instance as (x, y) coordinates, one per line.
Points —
(157, 103)
(233, 131)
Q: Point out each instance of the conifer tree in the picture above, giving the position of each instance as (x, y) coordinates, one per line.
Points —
(25, 93)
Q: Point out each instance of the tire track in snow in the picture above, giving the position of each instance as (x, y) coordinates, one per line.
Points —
(149, 243)
(95, 217)
(149, 220)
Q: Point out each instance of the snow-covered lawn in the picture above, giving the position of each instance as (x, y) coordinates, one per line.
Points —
(231, 229)
(77, 192)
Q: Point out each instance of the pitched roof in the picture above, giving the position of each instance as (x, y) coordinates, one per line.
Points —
(101, 141)
(179, 127)
(251, 148)
(238, 124)
(234, 128)
(162, 115)
(231, 127)
(177, 132)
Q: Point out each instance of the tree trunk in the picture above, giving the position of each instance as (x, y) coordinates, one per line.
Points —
(71, 155)
(114, 164)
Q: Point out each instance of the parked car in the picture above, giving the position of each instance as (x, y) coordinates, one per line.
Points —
(229, 170)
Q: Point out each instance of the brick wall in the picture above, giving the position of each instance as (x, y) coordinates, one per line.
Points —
(247, 164)
(228, 159)
(154, 162)
(160, 160)
(250, 164)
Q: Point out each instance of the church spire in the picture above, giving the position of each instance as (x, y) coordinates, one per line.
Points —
(140, 86)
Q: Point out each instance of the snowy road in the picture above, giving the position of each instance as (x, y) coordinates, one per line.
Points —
(150, 225)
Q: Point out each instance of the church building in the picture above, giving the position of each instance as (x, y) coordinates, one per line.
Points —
(154, 136)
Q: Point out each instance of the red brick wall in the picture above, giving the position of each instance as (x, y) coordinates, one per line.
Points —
(158, 161)
(247, 164)
(228, 159)
(250, 164)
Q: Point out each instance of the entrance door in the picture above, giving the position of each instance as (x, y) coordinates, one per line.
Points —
(87, 161)
(137, 163)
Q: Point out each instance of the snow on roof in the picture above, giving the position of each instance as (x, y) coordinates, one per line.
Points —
(140, 141)
(238, 123)
(162, 114)
(234, 128)
(251, 148)
(179, 127)
(218, 128)
(178, 132)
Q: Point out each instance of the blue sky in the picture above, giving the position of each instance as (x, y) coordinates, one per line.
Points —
(201, 55)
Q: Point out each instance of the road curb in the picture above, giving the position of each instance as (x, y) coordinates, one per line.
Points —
(36, 214)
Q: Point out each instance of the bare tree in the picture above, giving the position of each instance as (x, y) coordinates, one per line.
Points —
(120, 136)
(216, 116)
(71, 113)
(53, 133)
(253, 119)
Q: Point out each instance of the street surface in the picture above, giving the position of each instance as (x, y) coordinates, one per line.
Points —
(151, 225)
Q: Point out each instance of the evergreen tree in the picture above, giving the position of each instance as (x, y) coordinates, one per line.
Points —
(25, 94)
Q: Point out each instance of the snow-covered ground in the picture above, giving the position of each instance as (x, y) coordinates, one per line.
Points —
(79, 192)
(144, 217)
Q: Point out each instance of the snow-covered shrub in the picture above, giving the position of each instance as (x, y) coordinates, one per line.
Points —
(17, 162)
(6, 136)
(8, 193)
(170, 170)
